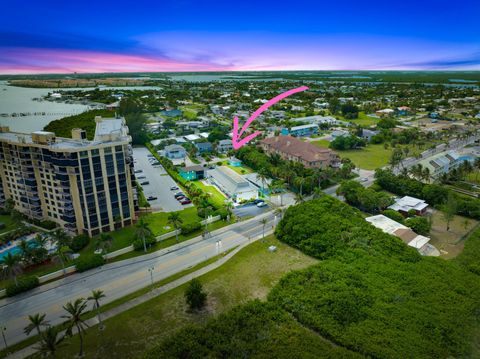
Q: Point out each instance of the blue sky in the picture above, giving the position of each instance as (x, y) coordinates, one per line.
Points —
(61, 36)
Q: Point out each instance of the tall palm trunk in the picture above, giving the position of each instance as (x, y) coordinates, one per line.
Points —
(80, 354)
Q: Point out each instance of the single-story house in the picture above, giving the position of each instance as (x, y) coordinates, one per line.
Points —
(385, 112)
(192, 173)
(409, 237)
(232, 184)
(224, 145)
(192, 137)
(368, 134)
(175, 151)
(407, 203)
(339, 133)
(204, 147)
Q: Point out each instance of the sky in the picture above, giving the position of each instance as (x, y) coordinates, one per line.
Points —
(52, 36)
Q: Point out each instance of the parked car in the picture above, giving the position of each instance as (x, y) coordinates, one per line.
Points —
(142, 177)
(179, 194)
(144, 183)
(180, 198)
(173, 188)
(257, 201)
(138, 171)
(261, 204)
(151, 198)
(185, 201)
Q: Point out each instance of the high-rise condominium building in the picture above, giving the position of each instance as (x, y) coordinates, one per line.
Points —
(84, 186)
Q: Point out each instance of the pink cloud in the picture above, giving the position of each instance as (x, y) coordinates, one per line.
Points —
(31, 60)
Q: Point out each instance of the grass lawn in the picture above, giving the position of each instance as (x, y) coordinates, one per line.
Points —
(243, 170)
(6, 219)
(473, 177)
(450, 244)
(158, 221)
(368, 158)
(216, 197)
(362, 120)
(249, 274)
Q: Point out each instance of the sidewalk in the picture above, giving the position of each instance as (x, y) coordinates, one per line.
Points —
(30, 350)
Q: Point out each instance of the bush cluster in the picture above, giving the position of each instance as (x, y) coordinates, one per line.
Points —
(23, 284)
(79, 242)
(190, 227)
(88, 261)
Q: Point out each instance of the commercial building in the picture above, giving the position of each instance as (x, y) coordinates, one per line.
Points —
(409, 237)
(444, 162)
(292, 149)
(84, 186)
(301, 131)
(232, 184)
(192, 173)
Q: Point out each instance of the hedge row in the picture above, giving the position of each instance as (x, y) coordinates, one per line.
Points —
(23, 284)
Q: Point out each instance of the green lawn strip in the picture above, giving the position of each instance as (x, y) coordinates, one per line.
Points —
(217, 198)
(362, 120)
(250, 274)
(6, 219)
(169, 242)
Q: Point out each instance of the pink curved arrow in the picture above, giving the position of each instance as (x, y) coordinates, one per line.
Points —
(236, 134)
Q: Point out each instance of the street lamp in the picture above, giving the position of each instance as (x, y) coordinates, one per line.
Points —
(150, 270)
(3, 328)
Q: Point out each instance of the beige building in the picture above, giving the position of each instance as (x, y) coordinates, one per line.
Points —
(84, 186)
(292, 149)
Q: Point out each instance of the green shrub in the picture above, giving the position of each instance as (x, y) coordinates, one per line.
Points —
(190, 227)
(392, 214)
(23, 284)
(194, 295)
(79, 242)
(89, 261)
(2, 225)
(44, 224)
(420, 225)
(222, 212)
(138, 243)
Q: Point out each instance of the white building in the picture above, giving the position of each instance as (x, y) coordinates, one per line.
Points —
(409, 237)
(232, 184)
(407, 203)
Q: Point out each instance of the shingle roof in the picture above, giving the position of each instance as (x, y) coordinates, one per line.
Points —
(294, 147)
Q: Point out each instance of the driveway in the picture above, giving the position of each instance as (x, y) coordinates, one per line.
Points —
(159, 183)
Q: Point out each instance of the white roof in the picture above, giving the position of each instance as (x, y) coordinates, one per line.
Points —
(303, 127)
(386, 224)
(192, 137)
(204, 134)
(419, 241)
(407, 203)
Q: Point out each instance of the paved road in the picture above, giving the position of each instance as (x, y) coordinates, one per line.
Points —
(249, 210)
(160, 183)
(124, 277)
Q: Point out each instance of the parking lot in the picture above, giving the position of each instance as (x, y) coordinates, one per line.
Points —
(159, 183)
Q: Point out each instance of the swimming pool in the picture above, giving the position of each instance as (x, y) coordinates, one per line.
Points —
(15, 249)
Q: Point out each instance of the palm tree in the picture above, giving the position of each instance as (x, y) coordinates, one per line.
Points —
(264, 222)
(262, 176)
(299, 198)
(95, 297)
(11, 266)
(75, 311)
(229, 208)
(143, 232)
(62, 242)
(176, 221)
(317, 193)
(50, 342)
(61, 255)
(26, 251)
(36, 322)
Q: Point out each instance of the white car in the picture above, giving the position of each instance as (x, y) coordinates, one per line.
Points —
(261, 204)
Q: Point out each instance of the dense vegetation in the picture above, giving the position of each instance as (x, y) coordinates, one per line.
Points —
(371, 295)
(86, 121)
(255, 330)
